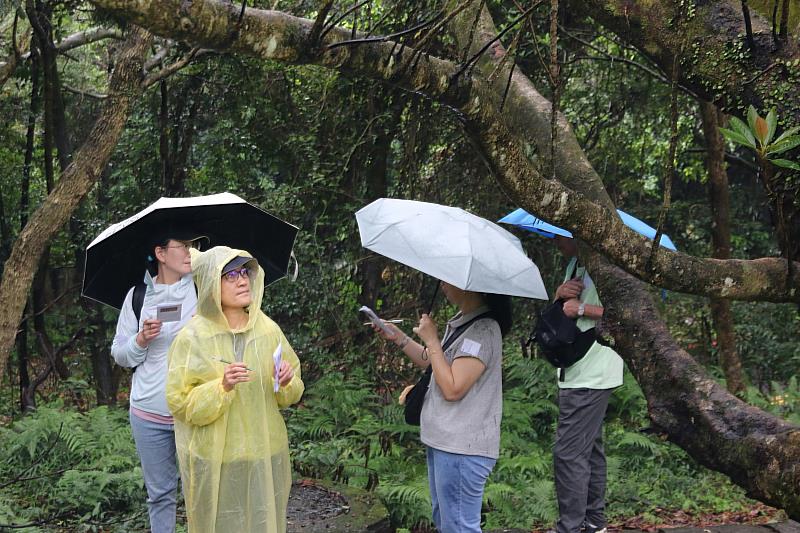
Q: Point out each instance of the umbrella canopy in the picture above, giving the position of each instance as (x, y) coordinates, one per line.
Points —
(525, 220)
(115, 260)
(450, 244)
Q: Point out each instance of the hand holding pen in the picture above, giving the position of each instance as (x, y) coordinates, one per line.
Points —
(234, 373)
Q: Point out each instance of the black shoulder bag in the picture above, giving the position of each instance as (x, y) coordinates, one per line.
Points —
(560, 340)
(416, 396)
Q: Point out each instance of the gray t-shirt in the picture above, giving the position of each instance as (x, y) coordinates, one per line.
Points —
(471, 425)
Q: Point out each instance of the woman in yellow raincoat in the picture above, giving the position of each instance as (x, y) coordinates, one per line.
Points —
(224, 392)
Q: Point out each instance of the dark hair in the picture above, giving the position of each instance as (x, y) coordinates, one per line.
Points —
(151, 262)
(500, 308)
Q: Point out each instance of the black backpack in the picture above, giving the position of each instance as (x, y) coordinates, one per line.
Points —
(137, 301)
(560, 340)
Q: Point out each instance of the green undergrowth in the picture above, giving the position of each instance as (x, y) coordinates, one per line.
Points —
(78, 471)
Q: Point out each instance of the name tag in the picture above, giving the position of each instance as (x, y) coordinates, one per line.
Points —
(169, 313)
(470, 347)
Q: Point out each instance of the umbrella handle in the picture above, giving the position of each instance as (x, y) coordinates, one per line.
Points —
(296, 267)
(433, 298)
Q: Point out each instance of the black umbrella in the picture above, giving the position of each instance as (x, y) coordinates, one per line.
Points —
(115, 260)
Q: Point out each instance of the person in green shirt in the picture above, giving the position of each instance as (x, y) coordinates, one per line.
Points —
(578, 456)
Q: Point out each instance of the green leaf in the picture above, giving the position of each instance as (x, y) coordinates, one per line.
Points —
(738, 138)
(785, 163)
(787, 133)
(739, 126)
(784, 145)
(752, 116)
(772, 124)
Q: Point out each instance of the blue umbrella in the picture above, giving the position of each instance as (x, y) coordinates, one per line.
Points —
(525, 220)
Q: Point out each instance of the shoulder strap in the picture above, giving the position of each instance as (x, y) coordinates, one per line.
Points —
(137, 301)
(456, 333)
(574, 270)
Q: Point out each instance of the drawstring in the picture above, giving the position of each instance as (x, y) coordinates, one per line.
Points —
(260, 367)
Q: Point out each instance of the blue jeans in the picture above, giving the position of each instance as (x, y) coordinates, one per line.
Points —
(456, 483)
(155, 444)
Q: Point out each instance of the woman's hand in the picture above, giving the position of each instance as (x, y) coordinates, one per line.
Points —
(427, 331)
(234, 373)
(285, 373)
(151, 327)
(396, 334)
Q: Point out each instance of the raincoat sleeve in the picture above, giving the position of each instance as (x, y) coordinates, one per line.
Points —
(124, 349)
(194, 393)
(293, 390)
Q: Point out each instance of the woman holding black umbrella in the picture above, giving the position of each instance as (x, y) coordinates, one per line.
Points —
(141, 342)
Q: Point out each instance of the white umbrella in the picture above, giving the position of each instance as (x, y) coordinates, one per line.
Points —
(450, 244)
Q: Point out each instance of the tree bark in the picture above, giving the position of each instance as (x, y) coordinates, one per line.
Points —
(783, 34)
(23, 351)
(713, 68)
(75, 183)
(377, 181)
(759, 451)
(177, 134)
(105, 384)
(721, 315)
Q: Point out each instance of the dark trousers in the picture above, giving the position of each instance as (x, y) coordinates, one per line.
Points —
(579, 460)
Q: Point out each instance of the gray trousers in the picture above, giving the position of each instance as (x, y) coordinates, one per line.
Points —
(155, 444)
(579, 460)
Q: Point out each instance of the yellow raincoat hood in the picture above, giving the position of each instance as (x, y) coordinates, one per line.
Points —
(232, 446)
(207, 272)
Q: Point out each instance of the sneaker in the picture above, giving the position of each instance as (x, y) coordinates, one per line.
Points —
(594, 529)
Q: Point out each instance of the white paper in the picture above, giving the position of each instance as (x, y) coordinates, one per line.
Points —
(276, 357)
(470, 347)
(375, 319)
(169, 312)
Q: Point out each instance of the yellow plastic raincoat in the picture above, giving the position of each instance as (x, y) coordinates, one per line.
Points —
(232, 446)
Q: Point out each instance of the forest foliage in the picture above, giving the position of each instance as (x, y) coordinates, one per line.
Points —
(312, 147)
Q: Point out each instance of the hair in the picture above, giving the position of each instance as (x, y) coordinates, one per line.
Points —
(151, 262)
(500, 308)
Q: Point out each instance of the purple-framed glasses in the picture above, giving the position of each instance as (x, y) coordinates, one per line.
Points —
(233, 275)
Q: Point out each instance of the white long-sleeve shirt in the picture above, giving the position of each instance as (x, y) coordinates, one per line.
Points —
(149, 380)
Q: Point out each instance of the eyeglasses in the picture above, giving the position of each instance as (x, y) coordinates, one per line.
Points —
(233, 275)
(185, 246)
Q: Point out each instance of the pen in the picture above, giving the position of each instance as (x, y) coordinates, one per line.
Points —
(393, 321)
(221, 360)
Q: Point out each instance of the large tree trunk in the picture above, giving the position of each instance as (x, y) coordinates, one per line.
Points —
(721, 242)
(124, 87)
(106, 376)
(377, 181)
(759, 451)
(177, 134)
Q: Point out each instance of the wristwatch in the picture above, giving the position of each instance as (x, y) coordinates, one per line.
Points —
(581, 309)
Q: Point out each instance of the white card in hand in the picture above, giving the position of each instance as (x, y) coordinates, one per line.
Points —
(375, 319)
(276, 358)
(168, 312)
